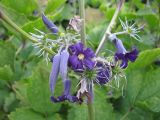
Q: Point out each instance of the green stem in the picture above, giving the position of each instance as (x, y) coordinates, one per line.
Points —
(82, 15)
(110, 26)
(90, 107)
(6, 19)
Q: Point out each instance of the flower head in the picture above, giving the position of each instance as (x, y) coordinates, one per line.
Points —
(103, 73)
(49, 24)
(81, 58)
(122, 54)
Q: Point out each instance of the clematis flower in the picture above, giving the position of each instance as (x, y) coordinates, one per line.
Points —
(122, 54)
(49, 24)
(60, 62)
(103, 73)
(81, 57)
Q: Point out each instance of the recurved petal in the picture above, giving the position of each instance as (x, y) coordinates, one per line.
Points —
(54, 72)
(64, 64)
(49, 24)
(132, 55)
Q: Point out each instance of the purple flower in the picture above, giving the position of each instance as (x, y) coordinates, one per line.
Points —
(103, 73)
(49, 24)
(81, 57)
(122, 54)
(60, 62)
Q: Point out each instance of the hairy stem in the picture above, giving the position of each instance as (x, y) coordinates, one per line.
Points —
(82, 15)
(6, 19)
(110, 26)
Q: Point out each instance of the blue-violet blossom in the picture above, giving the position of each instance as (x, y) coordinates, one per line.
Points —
(122, 54)
(60, 62)
(81, 58)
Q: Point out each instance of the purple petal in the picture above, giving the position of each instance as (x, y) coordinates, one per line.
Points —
(64, 64)
(89, 53)
(124, 63)
(132, 55)
(54, 72)
(67, 87)
(89, 63)
(119, 56)
(79, 46)
(50, 25)
(119, 46)
(75, 63)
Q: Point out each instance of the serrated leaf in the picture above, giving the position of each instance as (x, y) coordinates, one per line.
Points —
(6, 73)
(38, 91)
(143, 88)
(25, 114)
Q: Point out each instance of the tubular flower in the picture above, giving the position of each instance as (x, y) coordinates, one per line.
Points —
(49, 24)
(122, 54)
(60, 62)
(81, 58)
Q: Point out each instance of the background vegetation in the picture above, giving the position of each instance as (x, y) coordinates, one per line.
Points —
(24, 89)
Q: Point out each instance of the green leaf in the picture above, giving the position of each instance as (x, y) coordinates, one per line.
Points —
(14, 15)
(103, 109)
(152, 104)
(21, 6)
(53, 5)
(145, 58)
(25, 114)
(38, 91)
(54, 117)
(143, 88)
(6, 73)
(78, 112)
(10, 102)
(7, 54)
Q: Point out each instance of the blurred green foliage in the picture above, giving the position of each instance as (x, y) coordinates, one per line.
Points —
(24, 91)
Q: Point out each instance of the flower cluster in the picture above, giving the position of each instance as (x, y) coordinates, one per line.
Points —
(91, 69)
